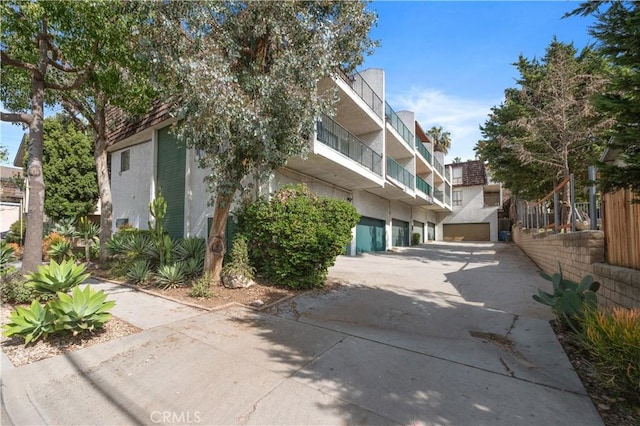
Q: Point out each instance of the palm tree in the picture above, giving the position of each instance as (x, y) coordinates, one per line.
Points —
(441, 139)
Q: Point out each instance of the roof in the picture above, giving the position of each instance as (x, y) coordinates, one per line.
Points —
(421, 134)
(473, 173)
(121, 126)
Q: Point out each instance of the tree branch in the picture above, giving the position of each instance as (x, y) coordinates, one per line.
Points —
(76, 84)
(18, 117)
(7, 60)
(62, 68)
(75, 107)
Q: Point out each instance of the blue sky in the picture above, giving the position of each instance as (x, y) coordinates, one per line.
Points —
(451, 61)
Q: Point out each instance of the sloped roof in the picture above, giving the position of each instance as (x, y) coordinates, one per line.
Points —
(473, 173)
(121, 127)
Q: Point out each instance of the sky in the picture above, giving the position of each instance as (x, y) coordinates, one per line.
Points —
(450, 61)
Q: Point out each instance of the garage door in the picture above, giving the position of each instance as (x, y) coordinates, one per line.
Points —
(466, 232)
(400, 233)
(418, 228)
(370, 235)
(431, 231)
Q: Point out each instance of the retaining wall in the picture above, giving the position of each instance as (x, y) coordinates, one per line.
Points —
(582, 253)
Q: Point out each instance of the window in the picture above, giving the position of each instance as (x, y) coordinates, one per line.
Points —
(122, 222)
(457, 176)
(457, 198)
(124, 160)
(491, 199)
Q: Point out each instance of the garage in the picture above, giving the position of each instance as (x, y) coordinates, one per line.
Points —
(370, 235)
(466, 232)
(418, 228)
(400, 233)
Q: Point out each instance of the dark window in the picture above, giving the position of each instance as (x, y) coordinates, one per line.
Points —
(124, 160)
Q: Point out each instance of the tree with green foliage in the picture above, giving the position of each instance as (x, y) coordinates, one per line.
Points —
(547, 128)
(69, 171)
(441, 139)
(618, 32)
(46, 47)
(244, 76)
(4, 154)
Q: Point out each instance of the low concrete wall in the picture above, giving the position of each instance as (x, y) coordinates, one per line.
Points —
(582, 253)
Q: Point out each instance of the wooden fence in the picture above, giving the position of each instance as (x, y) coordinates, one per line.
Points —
(621, 225)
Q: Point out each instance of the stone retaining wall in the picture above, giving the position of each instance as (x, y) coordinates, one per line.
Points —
(582, 253)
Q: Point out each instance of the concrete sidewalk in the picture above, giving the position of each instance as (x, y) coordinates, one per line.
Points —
(442, 334)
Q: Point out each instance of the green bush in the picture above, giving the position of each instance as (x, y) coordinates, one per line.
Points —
(171, 276)
(239, 259)
(139, 272)
(415, 239)
(55, 277)
(13, 289)
(61, 250)
(612, 339)
(6, 257)
(202, 287)
(296, 237)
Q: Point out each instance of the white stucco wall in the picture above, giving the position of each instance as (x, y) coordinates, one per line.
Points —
(9, 213)
(473, 210)
(133, 189)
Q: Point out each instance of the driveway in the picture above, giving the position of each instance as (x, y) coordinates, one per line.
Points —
(441, 334)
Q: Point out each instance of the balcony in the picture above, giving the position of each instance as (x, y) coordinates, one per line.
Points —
(438, 195)
(395, 121)
(399, 173)
(423, 151)
(438, 167)
(423, 186)
(366, 93)
(335, 136)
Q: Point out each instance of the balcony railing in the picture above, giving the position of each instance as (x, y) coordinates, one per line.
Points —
(423, 150)
(337, 137)
(366, 93)
(399, 173)
(398, 124)
(447, 197)
(423, 186)
(438, 195)
(438, 166)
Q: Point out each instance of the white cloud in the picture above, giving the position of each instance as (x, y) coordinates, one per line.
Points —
(460, 116)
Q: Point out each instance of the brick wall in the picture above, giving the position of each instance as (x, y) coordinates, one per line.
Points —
(582, 253)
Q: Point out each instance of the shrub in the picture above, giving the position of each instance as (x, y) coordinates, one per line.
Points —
(239, 260)
(613, 341)
(569, 300)
(16, 235)
(296, 237)
(60, 251)
(31, 323)
(54, 277)
(6, 257)
(190, 248)
(13, 289)
(139, 272)
(192, 267)
(415, 239)
(65, 227)
(51, 239)
(84, 309)
(202, 287)
(18, 250)
(170, 276)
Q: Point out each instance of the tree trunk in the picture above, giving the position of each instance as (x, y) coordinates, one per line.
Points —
(104, 185)
(35, 213)
(216, 246)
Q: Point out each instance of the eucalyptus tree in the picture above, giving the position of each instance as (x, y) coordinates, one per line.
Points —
(36, 42)
(441, 139)
(245, 78)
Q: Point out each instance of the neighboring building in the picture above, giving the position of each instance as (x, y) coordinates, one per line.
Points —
(476, 201)
(378, 159)
(11, 197)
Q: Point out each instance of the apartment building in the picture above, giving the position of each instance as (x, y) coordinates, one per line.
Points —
(368, 154)
(476, 201)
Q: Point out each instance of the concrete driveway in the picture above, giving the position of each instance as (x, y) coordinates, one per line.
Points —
(442, 334)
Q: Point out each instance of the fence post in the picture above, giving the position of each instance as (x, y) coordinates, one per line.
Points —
(593, 216)
(556, 212)
(572, 193)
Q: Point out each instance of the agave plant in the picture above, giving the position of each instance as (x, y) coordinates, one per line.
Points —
(61, 250)
(84, 309)
(139, 272)
(190, 248)
(170, 276)
(31, 323)
(88, 232)
(6, 256)
(57, 277)
(116, 246)
(65, 227)
(192, 267)
(138, 246)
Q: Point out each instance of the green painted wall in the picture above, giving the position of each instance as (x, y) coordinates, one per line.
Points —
(172, 156)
